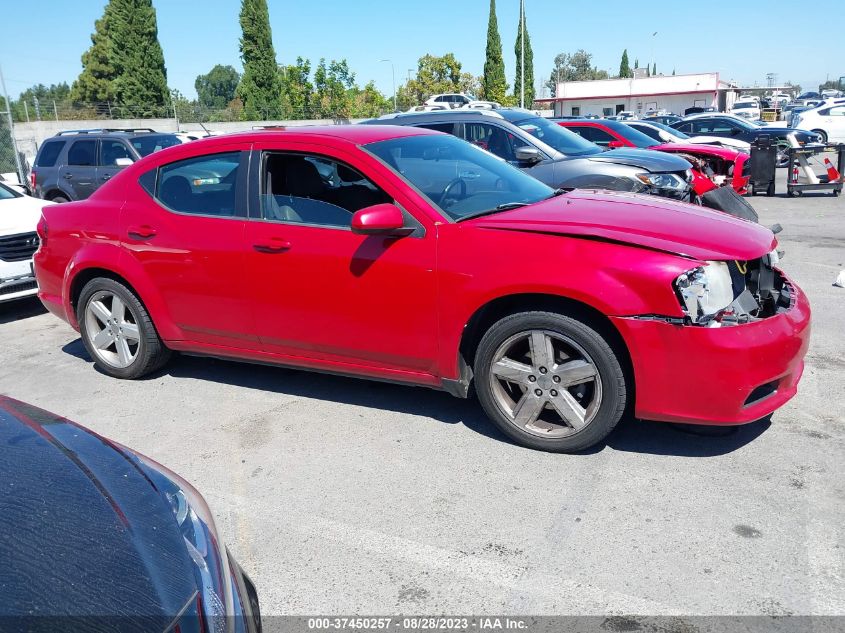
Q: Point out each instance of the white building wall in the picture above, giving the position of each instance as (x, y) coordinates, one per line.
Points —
(602, 106)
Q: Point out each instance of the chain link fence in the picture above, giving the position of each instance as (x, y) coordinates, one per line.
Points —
(11, 166)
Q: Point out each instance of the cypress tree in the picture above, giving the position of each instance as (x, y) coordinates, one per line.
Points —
(95, 82)
(494, 85)
(636, 63)
(141, 82)
(624, 67)
(654, 70)
(260, 88)
(529, 64)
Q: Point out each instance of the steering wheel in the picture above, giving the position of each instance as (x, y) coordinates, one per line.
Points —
(448, 190)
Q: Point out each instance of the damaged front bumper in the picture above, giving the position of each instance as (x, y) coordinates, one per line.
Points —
(732, 371)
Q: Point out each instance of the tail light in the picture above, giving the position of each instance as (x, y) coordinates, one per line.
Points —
(41, 229)
(32, 180)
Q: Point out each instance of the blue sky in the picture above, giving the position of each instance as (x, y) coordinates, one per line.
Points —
(741, 43)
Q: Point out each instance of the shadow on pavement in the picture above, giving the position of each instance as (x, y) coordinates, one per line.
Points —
(630, 435)
(20, 309)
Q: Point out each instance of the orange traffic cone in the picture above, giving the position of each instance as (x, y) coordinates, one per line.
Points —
(832, 174)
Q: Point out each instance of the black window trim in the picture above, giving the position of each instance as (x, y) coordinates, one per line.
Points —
(127, 146)
(241, 181)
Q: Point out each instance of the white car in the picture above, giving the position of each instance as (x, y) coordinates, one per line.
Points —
(450, 100)
(19, 215)
(827, 120)
(482, 105)
(746, 108)
(666, 134)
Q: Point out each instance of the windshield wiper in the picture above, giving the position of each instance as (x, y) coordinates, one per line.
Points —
(502, 207)
(559, 192)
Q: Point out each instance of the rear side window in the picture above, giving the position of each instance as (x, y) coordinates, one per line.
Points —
(82, 153)
(49, 153)
(205, 185)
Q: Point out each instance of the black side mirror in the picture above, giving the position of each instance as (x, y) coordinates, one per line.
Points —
(528, 155)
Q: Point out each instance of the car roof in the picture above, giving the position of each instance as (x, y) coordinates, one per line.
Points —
(357, 134)
(444, 116)
(110, 132)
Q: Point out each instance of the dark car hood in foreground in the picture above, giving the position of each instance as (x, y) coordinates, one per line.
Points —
(640, 220)
(83, 532)
(647, 159)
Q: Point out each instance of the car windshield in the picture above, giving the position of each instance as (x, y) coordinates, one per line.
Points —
(559, 138)
(458, 178)
(7, 194)
(669, 130)
(150, 143)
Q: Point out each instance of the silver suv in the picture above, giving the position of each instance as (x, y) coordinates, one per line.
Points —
(73, 164)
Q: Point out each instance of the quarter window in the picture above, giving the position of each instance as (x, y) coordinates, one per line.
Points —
(309, 189)
(49, 153)
(205, 185)
(83, 153)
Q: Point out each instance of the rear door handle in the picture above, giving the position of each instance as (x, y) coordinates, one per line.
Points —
(141, 232)
(106, 176)
(68, 176)
(274, 245)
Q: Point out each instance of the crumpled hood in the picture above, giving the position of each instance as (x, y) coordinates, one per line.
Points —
(20, 215)
(644, 158)
(639, 220)
(86, 532)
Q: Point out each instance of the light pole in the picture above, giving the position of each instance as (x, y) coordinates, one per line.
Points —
(522, 54)
(392, 74)
(652, 52)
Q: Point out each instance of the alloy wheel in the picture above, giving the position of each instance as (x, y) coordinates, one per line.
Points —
(545, 383)
(112, 329)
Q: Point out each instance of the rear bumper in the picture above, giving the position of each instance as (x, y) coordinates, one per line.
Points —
(728, 375)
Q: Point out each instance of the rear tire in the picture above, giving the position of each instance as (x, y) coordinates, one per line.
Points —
(117, 330)
(822, 134)
(549, 382)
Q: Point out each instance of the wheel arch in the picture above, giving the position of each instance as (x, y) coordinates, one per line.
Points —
(54, 192)
(506, 305)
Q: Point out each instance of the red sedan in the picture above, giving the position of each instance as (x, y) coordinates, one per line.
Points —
(407, 255)
(714, 165)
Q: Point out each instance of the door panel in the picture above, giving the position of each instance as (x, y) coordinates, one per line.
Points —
(189, 240)
(110, 152)
(323, 292)
(79, 176)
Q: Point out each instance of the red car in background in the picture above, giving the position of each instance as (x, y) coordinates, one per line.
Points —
(408, 255)
(713, 165)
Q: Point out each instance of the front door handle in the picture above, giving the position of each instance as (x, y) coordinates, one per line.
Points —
(68, 176)
(274, 245)
(141, 232)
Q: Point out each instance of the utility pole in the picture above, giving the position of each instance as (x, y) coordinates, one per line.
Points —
(21, 175)
(653, 35)
(392, 74)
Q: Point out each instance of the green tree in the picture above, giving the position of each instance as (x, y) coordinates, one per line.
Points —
(333, 84)
(44, 97)
(575, 67)
(140, 86)
(95, 83)
(436, 75)
(260, 86)
(494, 86)
(654, 70)
(636, 63)
(369, 102)
(624, 68)
(217, 88)
(297, 90)
(529, 63)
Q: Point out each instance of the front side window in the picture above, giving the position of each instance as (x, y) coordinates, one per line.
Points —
(458, 178)
(204, 185)
(494, 139)
(83, 153)
(563, 140)
(316, 190)
(110, 151)
(49, 153)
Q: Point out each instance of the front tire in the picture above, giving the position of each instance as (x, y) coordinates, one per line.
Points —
(117, 330)
(549, 382)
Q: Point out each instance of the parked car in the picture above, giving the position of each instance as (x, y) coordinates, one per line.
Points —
(71, 165)
(407, 255)
(451, 100)
(665, 119)
(665, 134)
(97, 537)
(712, 166)
(554, 155)
(831, 94)
(734, 127)
(19, 215)
(827, 121)
(698, 110)
(808, 95)
(747, 109)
